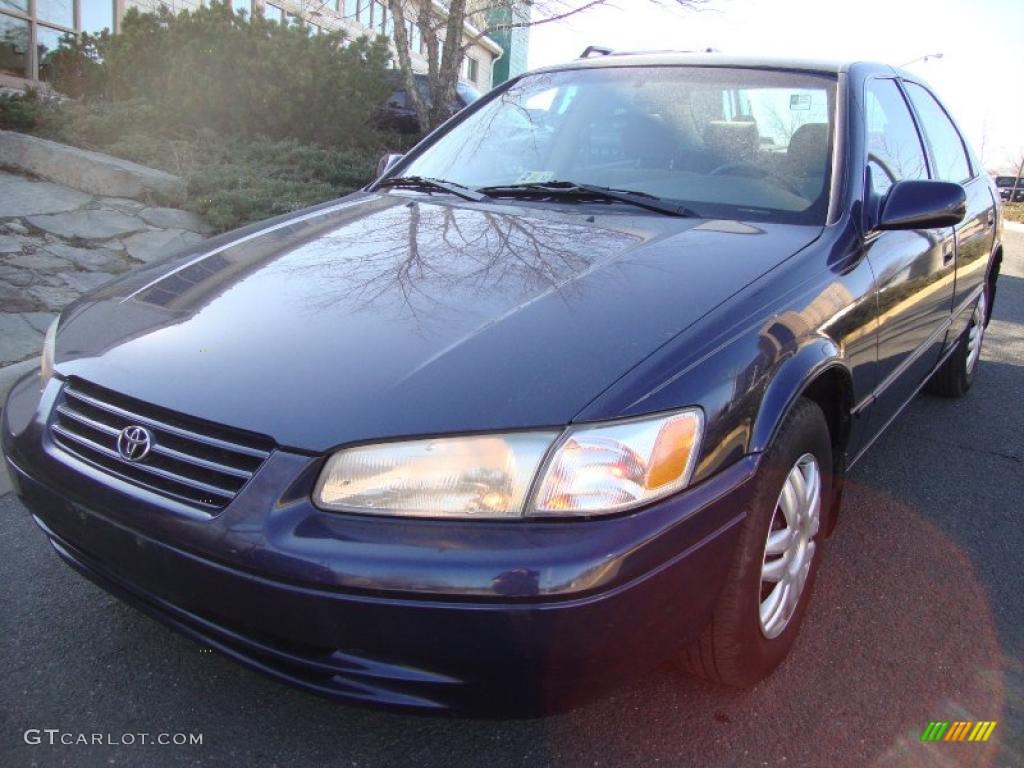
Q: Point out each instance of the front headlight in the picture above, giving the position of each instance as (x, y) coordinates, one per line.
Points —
(46, 359)
(486, 476)
(591, 470)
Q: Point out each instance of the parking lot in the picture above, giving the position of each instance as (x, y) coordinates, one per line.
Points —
(917, 616)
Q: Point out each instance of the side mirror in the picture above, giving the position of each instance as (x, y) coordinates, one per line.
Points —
(923, 205)
(386, 162)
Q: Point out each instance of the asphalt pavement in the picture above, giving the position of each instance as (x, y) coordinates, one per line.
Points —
(917, 616)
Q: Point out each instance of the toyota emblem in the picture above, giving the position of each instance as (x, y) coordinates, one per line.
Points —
(134, 443)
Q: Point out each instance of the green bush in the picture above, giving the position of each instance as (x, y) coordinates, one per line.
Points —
(258, 118)
(19, 112)
(32, 112)
(100, 125)
(219, 70)
(232, 182)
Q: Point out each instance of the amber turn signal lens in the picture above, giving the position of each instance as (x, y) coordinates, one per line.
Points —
(603, 468)
(672, 450)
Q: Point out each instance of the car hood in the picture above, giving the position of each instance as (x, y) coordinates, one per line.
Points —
(390, 315)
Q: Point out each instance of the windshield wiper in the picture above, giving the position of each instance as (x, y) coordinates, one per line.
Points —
(431, 185)
(577, 191)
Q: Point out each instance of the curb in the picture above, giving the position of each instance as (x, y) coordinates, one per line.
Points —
(88, 171)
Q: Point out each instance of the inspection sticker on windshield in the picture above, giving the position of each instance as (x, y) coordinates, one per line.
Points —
(535, 177)
(800, 101)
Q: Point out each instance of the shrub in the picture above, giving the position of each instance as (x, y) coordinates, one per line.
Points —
(258, 118)
(232, 182)
(31, 112)
(215, 69)
(20, 112)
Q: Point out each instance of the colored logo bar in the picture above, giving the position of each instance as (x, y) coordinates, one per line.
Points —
(958, 730)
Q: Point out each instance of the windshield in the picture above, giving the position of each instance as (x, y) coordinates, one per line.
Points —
(725, 142)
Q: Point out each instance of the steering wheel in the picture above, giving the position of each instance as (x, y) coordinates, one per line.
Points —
(755, 171)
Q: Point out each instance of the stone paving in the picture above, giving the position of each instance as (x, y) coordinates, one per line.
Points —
(56, 243)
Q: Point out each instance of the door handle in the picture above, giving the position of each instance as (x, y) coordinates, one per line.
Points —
(991, 218)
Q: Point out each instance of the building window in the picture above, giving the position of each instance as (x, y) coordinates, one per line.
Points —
(472, 69)
(273, 13)
(14, 36)
(415, 42)
(363, 12)
(352, 9)
(60, 12)
(47, 22)
(242, 5)
(48, 40)
(97, 16)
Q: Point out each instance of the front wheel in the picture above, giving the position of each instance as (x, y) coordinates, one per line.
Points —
(956, 375)
(762, 604)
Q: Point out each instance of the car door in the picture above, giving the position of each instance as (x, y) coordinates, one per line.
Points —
(914, 269)
(975, 235)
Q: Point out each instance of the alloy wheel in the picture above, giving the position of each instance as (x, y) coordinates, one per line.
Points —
(976, 333)
(789, 549)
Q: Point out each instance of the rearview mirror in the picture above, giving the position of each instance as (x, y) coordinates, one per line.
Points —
(386, 162)
(923, 205)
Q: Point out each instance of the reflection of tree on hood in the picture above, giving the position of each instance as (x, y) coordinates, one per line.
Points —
(432, 259)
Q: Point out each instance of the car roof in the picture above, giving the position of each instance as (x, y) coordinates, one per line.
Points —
(701, 59)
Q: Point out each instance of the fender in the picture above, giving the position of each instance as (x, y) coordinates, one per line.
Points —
(814, 355)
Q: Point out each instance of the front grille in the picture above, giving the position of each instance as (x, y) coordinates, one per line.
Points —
(201, 464)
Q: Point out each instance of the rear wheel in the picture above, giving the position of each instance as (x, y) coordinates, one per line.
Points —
(956, 375)
(762, 604)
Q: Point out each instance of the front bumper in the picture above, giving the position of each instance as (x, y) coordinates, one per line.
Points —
(477, 617)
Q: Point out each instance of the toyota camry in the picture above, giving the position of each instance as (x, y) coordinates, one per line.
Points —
(569, 390)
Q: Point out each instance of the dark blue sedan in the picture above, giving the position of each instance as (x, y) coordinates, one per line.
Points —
(569, 390)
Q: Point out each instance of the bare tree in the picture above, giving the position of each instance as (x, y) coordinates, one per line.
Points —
(447, 36)
(392, 263)
(984, 141)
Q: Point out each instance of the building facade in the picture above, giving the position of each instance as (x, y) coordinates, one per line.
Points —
(31, 28)
(507, 25)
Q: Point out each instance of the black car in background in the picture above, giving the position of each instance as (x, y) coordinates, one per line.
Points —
(1005, 185)
(570, 390)
(398, 114)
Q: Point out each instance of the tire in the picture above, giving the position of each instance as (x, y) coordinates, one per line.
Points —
(736, 648)
(955, 376)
